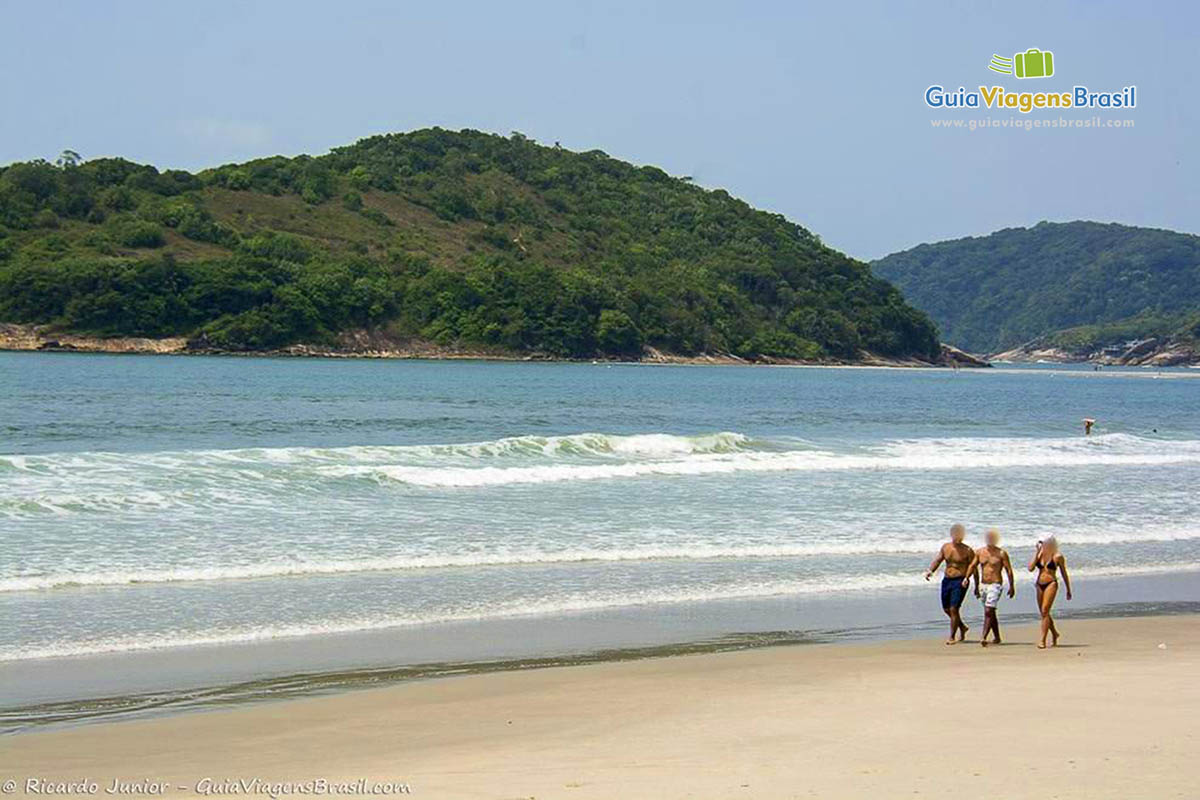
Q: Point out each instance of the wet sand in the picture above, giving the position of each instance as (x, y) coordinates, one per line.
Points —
(1109, 714)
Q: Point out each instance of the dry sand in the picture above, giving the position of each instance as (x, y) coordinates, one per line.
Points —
(1111, 715)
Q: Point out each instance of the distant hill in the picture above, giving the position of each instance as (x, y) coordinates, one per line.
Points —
(459, 239)
(1107, 283)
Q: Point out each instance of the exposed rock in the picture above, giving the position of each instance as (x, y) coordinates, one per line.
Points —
(653, 355)
(33, 337)
(1138, 349)
(19, 337)
(1170, 358)
(1032, 353)
(953, 357)
(1142, 352)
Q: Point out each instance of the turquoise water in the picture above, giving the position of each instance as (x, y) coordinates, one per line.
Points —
(155, 504)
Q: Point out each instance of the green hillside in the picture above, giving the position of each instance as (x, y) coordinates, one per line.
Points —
(463, 239)
(990, 293)
(1183, 329)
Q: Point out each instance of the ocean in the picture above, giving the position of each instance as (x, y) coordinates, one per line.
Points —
(173, 522)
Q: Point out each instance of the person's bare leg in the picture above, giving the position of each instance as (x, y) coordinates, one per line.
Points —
(989, 616)
(952, 613)
(1047, 602)
(956, 624)
(1050, 619)
(995, 626)
(1040, 592)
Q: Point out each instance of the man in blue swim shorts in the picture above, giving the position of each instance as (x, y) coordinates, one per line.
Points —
(957, 556)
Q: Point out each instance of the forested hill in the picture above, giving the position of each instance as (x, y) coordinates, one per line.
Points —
(463, 239)
(990, 293)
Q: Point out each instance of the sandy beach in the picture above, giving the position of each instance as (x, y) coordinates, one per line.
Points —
(1109, 714)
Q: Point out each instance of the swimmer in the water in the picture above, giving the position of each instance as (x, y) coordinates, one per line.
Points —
(1088, 422)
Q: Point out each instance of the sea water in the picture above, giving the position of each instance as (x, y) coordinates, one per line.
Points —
(159, 505)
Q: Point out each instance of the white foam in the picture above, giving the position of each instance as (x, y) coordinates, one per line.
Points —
(689, 551)
(67, 483)
(678, 549)
(649, 444)
(98, 482)
(537, 607)
(917, 454)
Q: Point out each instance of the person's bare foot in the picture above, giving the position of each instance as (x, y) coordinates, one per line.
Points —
(962, 633)
(949, 642)
(983, 643)
(1041, 645)
(1054, 643)
(996, 640)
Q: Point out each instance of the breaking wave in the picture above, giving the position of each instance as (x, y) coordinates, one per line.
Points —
(915, 454)
(66, 483)
(683, 550)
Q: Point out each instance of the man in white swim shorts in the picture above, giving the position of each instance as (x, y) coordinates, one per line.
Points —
(990, 594)
(993, 564)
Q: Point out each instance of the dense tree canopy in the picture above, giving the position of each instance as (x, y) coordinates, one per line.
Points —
(461, 238)
(1105, 282)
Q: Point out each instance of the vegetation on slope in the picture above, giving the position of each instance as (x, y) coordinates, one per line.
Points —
(462, 238)
(993, 292)
(1085, 339)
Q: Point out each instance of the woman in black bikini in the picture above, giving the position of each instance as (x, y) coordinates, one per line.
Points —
(1049, 562)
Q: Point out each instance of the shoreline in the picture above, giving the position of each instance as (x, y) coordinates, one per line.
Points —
(283, 670)
(828, 720)
(22, 338)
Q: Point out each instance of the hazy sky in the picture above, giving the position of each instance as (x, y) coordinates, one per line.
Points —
(813, 110)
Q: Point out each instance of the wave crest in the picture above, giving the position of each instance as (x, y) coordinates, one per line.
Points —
(681, 550)
(67, 483)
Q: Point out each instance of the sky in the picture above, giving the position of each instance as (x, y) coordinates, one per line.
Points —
(812, 110)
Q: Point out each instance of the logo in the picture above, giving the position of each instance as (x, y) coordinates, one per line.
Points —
(1033, 63)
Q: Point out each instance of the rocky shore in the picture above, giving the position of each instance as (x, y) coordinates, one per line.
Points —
(1152, 352)
(369, 344)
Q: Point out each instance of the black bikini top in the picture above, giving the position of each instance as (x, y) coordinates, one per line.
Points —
(1052, 566)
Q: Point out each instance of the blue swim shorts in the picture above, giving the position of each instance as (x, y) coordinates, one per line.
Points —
(953, 592)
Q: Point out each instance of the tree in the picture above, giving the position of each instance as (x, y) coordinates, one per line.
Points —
(68, 159)
(616, 334)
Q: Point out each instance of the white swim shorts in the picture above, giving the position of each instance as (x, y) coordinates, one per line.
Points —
(990, 593)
